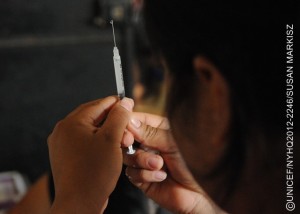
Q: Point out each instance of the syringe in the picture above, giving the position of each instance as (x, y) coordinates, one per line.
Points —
(119, 76)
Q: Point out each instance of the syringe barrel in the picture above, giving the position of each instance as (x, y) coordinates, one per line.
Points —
(118, 73)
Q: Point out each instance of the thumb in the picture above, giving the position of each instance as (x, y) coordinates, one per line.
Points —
(117, 120)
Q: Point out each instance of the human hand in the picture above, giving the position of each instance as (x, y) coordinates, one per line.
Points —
(86, 159)
(163, 177)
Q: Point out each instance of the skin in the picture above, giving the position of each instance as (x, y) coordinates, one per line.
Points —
(86, 159)
(164, 166)
(146, 170)
(210, 115)
(213, 117)
(37, 200)
(92, 157)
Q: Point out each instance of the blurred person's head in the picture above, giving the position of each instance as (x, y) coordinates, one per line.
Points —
(226, 80)
(148, 74)
(148, 89)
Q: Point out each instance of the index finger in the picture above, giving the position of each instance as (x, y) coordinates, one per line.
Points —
(152, 120)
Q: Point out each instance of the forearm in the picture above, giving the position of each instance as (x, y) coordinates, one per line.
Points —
(36, 200)
(77, 207)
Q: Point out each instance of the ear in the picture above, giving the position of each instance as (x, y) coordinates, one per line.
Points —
(211, 76)
(205, 69)
(215, 92)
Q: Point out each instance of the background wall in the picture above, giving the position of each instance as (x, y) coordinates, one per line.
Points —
(52, 58)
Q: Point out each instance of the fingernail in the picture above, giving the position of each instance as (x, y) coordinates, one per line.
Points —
(127, 103)
(153, 163)
(136, 123)
(159, 175)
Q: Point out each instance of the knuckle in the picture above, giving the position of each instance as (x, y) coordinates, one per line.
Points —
(142, 175)
(149, 132)
(81, 106)
(164, 123)
(59, 126)
(97, 102)
(107, 135)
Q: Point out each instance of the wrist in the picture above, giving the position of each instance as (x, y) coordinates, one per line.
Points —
(204, 205)
(74, 206)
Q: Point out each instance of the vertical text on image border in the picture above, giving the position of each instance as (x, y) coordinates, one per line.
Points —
(290, 205)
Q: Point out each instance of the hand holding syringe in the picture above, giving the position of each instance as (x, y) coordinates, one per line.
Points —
(119, 76)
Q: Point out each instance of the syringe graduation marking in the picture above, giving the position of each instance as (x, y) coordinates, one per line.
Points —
(118, 67)
(119, 76)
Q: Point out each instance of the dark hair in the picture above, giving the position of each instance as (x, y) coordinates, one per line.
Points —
(246, 41)
(150, 73)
